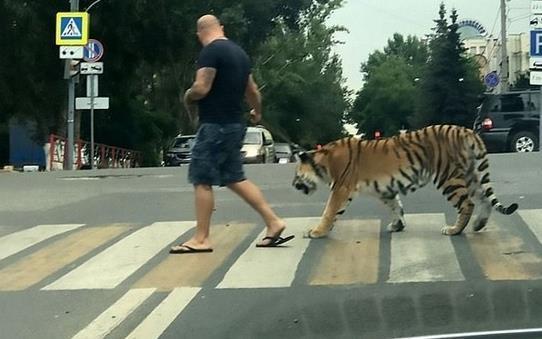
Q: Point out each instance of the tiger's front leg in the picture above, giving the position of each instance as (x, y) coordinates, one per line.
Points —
(398, 222)
(336, 205)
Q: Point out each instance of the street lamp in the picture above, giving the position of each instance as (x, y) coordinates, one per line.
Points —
(92, 5)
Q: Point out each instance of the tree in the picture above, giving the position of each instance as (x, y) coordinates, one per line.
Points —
(450, 84)
(385, 102)
(301, 79)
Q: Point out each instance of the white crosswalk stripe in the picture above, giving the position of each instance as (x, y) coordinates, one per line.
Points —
(533, 218)
(262, 267)
(115, 315)
(164, 314)
(421, 253)
(18, 241)
(111, 267)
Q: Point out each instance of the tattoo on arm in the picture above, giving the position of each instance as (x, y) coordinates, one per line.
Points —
(204, 81)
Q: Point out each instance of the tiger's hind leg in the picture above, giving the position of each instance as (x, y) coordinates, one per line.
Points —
(398, 222)
(483, 215)
(336, 205)
(458, 195)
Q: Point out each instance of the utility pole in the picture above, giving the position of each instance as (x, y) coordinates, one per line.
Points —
(504, 49)
(74, 7)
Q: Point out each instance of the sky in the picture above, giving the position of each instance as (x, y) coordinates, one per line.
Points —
(372, 22)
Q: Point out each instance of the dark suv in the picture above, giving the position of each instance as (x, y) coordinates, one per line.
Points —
(509, 122)
(180, 151)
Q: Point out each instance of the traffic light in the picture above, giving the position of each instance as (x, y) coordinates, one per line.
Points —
(71, 68)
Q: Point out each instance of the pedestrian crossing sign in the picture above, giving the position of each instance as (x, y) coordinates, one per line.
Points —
(72, 28)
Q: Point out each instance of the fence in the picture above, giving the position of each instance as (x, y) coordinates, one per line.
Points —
(105, 156)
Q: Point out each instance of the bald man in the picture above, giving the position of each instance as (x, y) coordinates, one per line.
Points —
(223, 79)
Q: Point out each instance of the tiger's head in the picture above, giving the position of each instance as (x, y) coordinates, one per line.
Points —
(311, 169)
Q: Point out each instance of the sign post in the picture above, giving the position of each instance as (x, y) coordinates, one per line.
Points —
(71, 30)
(535, 63)
(93, 52)
(92, 102)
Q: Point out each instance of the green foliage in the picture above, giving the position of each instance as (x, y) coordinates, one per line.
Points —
(411, 85)
(450, 84)
(301, 79)
(386, 101)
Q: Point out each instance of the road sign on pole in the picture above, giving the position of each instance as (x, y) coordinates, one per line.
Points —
(71, 52)
(94, 50)
(92, 68)
(492, 79)
(71, 28)
(87, 103)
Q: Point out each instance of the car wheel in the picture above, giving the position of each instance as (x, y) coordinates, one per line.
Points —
(524, 141)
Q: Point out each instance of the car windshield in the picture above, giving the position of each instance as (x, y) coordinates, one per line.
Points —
(183, 142)
(253, 138)
(283, 148)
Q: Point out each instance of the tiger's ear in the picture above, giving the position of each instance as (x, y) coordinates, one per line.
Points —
(305, 156)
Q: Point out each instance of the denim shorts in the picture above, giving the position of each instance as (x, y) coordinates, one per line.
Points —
(216, 158)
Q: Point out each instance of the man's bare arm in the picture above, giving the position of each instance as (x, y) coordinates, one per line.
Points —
(200, 88)
(254, 99)
(202, 85)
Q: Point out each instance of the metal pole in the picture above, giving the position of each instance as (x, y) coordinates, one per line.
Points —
(74, 7)
(71, 111)
(92, 78)
(540, 122)
(504, 49)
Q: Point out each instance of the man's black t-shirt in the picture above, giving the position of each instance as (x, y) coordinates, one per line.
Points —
(223, 103)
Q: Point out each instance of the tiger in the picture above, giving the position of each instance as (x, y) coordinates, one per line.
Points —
(453, 157)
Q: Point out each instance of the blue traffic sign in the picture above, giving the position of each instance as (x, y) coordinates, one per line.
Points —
(492, 79)
(71, 28)
(536, 43)
(94, 50)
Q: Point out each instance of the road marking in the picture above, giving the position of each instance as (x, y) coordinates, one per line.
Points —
(112, 266)
(421, 253)
(18, 241)
(34, 268)
(5, 230)
(504, 256)
(351, 254)
(115, 314)
(533, 218)
(164, 314)
(191, 270)
(270, 267)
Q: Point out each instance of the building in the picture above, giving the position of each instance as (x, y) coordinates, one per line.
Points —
(486, 50)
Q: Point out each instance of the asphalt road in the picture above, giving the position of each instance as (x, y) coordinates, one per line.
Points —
(86, 253)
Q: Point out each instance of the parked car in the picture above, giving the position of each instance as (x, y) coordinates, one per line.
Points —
(509, 122)
(283, 153)
(180, 150)
(258, 146)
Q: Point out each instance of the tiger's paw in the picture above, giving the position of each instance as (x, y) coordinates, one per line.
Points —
(396, 226)
(450, 230)
(315, 234)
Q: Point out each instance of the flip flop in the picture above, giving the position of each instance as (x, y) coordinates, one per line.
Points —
(276, 240)
(188, 249)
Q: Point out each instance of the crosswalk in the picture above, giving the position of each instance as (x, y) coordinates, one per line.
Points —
(88, 257)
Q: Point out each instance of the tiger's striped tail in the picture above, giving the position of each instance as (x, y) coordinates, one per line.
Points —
(481, 166)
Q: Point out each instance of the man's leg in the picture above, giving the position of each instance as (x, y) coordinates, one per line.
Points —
(253, 195)
(204, 199)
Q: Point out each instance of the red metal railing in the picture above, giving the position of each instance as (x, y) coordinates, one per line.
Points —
(105, 156)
